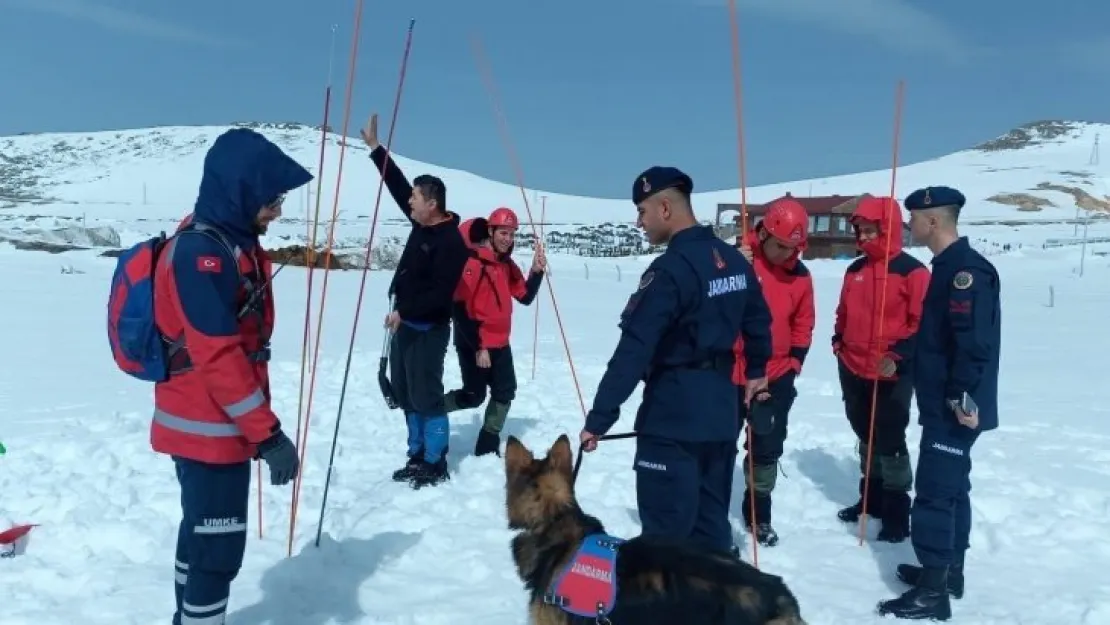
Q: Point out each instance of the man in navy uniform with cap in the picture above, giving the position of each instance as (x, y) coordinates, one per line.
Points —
(956, 382)
(677, 333)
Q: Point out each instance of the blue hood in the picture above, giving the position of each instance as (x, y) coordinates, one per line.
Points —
(244, 171)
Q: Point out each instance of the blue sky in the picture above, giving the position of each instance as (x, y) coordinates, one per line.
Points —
(594, 92)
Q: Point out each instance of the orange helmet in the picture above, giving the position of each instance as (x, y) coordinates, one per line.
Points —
(787, 221)
(503, 218)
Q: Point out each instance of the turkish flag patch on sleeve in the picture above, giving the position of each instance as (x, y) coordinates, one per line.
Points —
(208, 264)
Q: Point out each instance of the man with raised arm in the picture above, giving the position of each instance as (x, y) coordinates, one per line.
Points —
(423, 288)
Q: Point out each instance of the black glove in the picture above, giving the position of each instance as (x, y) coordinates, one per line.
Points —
(280, 455)
(761, 414)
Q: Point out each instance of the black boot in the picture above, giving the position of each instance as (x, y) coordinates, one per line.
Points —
(928, 600)
(910, 574)
(430, 474)
(764, 533)
(411, 467)
(487, 443)
(895, 517)
(874, 502)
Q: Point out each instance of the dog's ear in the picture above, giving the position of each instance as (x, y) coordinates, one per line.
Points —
(560, 457)
(517, 456)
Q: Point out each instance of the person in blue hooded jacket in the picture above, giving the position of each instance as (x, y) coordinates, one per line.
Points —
(214, 305)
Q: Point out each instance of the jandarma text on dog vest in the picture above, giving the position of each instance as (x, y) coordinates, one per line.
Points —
(592, 572)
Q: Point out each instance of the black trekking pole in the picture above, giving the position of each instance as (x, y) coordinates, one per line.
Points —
(383, 367)
(606, 437)
(339, 418)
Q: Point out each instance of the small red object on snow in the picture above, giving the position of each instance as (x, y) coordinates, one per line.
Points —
(8, 537)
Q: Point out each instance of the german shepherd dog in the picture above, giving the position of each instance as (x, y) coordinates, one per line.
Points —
(659, 582)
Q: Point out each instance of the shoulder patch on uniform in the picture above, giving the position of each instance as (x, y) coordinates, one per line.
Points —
(646, 279)
(208, 264)
(717, 260)
(962, 280)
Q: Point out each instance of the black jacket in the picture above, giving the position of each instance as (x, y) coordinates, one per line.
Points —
(431, 264)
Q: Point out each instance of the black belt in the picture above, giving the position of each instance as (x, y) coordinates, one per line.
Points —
(721, 362)
(181, 363)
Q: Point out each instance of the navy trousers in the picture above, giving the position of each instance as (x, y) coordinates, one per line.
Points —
(941, 514)
(211, 539)
(683, 489)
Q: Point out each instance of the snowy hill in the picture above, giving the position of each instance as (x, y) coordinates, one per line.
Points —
(149, 176)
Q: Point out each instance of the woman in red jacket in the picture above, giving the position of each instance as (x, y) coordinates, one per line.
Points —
(483, 321)
(774, 247)
(871, 350)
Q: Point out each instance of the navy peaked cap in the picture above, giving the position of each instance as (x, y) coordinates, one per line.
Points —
(657, 178)
(933, 197)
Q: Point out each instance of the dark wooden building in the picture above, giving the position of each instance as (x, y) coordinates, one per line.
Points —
(830, 234)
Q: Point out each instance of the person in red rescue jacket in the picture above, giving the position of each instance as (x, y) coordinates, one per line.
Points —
(774, 248)
(868, 352)
(483, 316)
(214, 305)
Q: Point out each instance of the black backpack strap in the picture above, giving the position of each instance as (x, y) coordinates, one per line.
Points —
(173, 347)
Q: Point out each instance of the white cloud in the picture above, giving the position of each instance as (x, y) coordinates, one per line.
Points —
(896, 24)
(113, 18)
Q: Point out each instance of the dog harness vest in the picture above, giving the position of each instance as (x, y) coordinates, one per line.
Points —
(587, 586)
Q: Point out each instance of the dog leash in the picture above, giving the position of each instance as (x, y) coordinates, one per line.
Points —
(605, 437)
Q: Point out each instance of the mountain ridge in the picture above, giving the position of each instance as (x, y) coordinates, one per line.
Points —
(1046, 162)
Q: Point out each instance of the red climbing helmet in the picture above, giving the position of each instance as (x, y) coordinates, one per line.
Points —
(503, 218)
(787, 221)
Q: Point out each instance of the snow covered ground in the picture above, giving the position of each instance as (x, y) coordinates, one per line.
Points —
(79, 463)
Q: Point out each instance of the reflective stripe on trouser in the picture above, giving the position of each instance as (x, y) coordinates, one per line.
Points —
(211, 538)
(212, 430)
(180, 577)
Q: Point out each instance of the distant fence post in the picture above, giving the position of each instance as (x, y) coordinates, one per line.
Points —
(1051, 296)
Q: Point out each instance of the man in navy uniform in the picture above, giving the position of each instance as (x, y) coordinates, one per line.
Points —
(677, 333)
(956, 382)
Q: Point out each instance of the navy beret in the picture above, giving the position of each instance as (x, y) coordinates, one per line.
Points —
(655, 179)
(933, 197)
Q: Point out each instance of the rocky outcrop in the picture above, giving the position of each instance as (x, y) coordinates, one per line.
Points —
(65, 239)
(1023, 201)
(296, 256)
(1083, 200)
(1028, 135)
